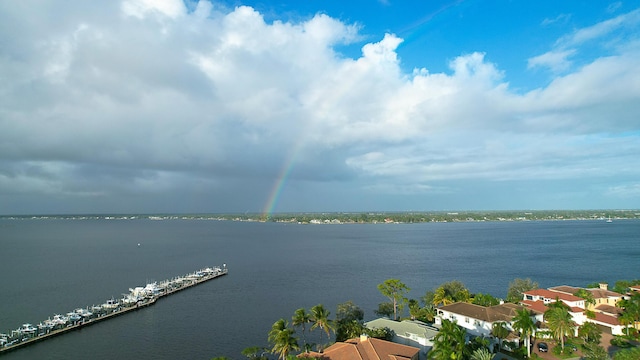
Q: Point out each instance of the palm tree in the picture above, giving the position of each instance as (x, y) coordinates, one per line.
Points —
(284, 343)
(499, 330)
(481, 354)
(449, 344)
(300, 318)
(590, 333)
(320, 319)
(560, 323)
(523, 322)
(281, 336)
(276, 328)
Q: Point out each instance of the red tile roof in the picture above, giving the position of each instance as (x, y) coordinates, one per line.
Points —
(553, 295)
(537, 306)
(365, 349)
(607, 319)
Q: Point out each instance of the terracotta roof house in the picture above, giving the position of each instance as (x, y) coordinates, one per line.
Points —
(408, 332)
(601, 295)
(605, 311)
(548, 296)
(365, 348)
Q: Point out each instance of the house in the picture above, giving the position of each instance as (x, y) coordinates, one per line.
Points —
(365, 348)
(601, 295)
(408, 332)
(478, 320)
(604, 309)
(548, 296)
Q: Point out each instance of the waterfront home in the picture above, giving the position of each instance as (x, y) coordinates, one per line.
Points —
(602, 296)
(365, 348)
(408, 332)
(547, 297)
(478, 320)
(605, 313)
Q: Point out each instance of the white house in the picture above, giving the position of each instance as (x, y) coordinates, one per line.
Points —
(408, 332)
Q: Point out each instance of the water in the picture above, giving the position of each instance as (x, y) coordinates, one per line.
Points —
(55, 266)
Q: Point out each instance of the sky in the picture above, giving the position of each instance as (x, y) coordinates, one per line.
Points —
(171, 106)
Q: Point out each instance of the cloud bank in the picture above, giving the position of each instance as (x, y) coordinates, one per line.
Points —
(148, 105)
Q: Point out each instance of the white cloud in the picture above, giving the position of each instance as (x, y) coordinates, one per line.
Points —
(141, 8)
(601, 29)
(562, 18)
(604, 33)
(557, 61)
(163, 99)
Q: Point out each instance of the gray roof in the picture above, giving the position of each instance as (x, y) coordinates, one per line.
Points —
(404, 327)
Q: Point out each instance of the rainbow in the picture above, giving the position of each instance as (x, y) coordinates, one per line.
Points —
(279, 184)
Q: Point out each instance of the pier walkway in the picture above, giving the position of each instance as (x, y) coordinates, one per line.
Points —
(139, 298)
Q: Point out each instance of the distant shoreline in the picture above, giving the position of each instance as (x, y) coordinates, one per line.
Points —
(363, 217)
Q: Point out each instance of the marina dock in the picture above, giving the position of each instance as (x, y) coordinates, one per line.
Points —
(138, 298)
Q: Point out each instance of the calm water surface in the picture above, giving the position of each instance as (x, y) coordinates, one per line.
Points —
(54, 266)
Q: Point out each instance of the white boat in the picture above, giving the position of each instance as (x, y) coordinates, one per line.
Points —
(85, 313)
(111, 304)
(60, 320)
(73, 317)
(609, 220)
(27, 329)
(129, 300)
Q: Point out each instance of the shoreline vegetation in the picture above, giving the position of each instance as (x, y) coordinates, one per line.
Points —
(408, 217)
(508, 339)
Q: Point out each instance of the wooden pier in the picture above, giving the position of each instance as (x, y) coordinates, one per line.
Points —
(173, 286)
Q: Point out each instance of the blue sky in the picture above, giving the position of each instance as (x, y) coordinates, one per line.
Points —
(230, 106)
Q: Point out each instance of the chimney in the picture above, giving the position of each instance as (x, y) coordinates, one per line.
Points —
(604, 286)
(364, 338)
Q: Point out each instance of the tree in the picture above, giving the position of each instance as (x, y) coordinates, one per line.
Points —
(281, 336)
(586, 295)
(484, 300)
(384, 309)
(383, 333)
(451, 292)
(593, 351)
(276, 328)
(301, 318)
(560, 323)
(449, 344)
(320, 319)
(349, 321)
(630, 310)
(500, 331)
(254, 353)
(414, 308)
(481, 354)
(284, 343)
(395, 290)
(523, 322)
(590, 333)
(628, 354)
(517, 287)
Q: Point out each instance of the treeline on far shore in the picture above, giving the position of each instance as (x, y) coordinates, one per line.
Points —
(364, 217)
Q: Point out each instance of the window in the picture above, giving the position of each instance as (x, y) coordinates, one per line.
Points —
(466, 319)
